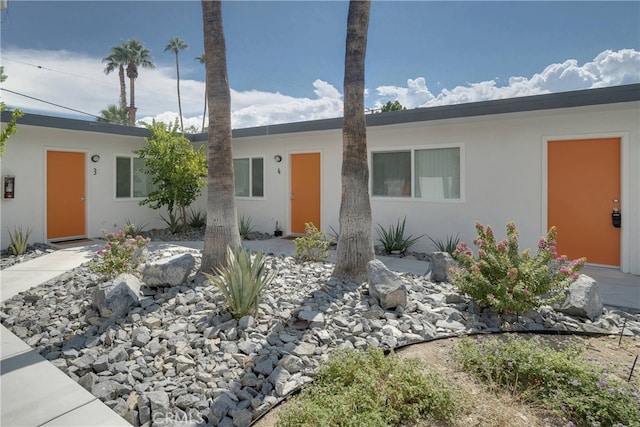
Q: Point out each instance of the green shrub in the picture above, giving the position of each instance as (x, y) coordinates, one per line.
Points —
(562, 380)
(245, 227)
(19, 240)
(448, 245)
(509, 281)
(197, 219)
(313, 246)
(172, 221)
(123, 253)
(365, 388)
(242, 281)
(393, 238)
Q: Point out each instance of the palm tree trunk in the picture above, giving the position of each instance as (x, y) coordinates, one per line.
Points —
(355, 244)
(178, 85)
(222, 217)
(123, 88)
(132, 103)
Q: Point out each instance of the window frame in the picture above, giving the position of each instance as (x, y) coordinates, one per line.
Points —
(131, 197)
(250, 178)
(412, 149)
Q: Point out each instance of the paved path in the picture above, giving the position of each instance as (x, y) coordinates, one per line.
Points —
(36, 393)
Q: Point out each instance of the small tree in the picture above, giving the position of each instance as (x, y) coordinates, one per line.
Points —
(178, 171)
(392, 106)
(10, 128)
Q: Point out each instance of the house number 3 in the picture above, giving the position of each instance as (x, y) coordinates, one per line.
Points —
(95, 171)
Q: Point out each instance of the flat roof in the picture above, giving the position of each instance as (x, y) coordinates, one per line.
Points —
(579, 98)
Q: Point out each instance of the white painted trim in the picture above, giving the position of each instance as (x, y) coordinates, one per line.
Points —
(412, 149)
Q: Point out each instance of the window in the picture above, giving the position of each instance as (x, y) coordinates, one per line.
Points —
(430, 173)
(249, 177)
(130, 180)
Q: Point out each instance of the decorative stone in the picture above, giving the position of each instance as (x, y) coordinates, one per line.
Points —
(441, 262)
(172, 271)
(583, 299)
(116, 298)
(386, 286)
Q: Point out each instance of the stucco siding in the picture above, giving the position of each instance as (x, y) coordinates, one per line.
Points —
(26, 160)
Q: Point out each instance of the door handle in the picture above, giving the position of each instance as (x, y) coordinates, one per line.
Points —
(616, 218)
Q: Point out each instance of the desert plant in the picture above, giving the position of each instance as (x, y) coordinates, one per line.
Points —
(172, 221)
(365, 388)
(509, 281)
(197, 218)
(393, 239)
(313, 246)
(123, 253)
(449, 244)
(242, 281)
(561, 379)
(19, 240)
(134, 230)
(245, 227)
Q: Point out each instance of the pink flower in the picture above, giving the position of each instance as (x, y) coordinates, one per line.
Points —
(564, 270)
(542, 243)
(482, 253)
(511, 226)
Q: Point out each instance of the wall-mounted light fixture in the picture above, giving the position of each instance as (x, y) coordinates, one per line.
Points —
(277, 158)
(95, 158)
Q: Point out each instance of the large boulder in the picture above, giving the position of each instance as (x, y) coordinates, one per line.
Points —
(583, 299)
(171, 271)
(441, 262)
(386, 286)
(115, 298)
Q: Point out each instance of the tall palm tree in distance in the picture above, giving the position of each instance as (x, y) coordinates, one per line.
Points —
(201, 59)
(137, 56)
(222, 217)
(114, 114)
(117, 59)
(355, 244)
(175, 45)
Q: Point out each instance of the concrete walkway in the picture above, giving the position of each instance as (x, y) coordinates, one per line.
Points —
(36, 393)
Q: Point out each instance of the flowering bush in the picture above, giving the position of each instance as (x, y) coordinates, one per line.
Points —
(123, 253)
(506, 279)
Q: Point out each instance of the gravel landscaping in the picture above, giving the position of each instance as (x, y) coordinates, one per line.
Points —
(180, 356)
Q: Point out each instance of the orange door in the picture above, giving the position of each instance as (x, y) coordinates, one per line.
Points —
(305, 191)
(65, 195)
(584, 188)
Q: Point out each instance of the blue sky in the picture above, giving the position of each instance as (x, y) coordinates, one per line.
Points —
(286, 59)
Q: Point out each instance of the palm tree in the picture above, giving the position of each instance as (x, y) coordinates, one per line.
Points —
(117, 60)
(201, 59)
(114, 114)
(137, 56)
(222, 220)
(175, 45)
(355, 244)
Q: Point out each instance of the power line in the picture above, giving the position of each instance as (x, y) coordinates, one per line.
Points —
(40, 67)
(51, 103)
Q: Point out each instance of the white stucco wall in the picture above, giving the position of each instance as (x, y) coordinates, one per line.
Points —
(26, 159)
(504, 167)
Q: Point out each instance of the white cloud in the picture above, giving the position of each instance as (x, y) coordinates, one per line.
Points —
(62, 77)
(609, 68)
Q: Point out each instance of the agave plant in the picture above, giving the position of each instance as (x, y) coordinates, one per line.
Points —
(245, 227)
(448, 245)
(242, 281)
(393, 238)
(19, 240)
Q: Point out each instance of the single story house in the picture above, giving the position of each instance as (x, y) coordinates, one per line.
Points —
(567, 159)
